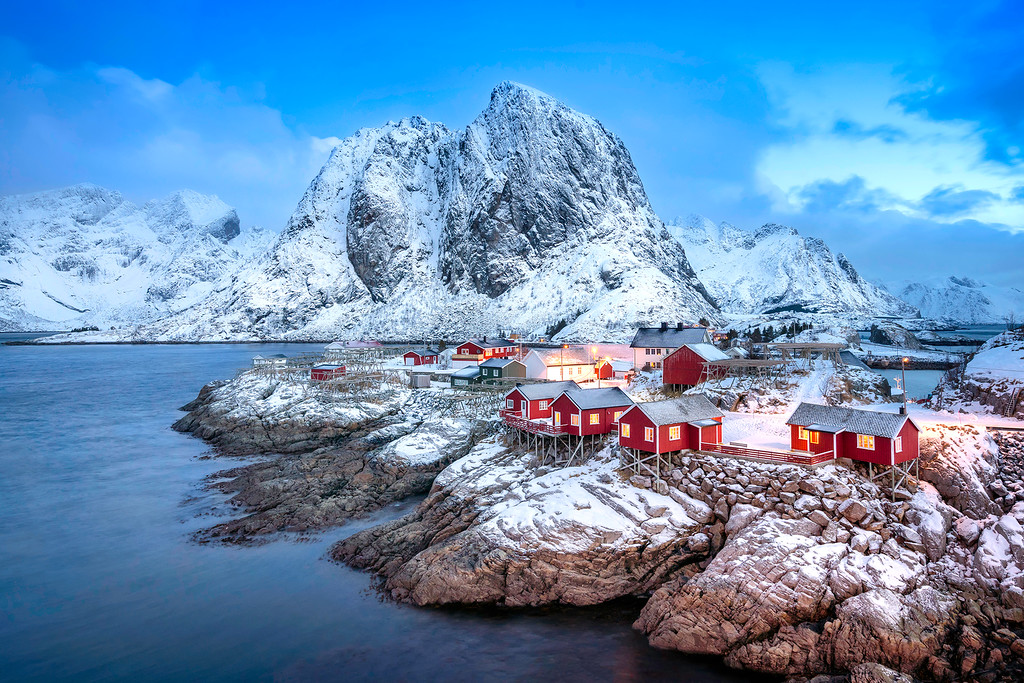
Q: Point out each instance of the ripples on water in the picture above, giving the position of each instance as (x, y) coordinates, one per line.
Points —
(98, 580)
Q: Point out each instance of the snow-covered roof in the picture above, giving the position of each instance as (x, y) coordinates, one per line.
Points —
(622, 365)
(425, 352)
(838, 418)
(685, 408)
(489, 344)
(671, 338)
(562, 357)
(707, 351)
(533, 392)
(271, 356)
(497, 362)
(328, 366)
(590, 399)
(467, 373)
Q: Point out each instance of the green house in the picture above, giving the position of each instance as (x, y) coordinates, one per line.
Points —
(494, 369)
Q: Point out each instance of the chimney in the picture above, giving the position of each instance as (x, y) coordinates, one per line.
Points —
(679, 326)
(903, 409)
(664, 326)
(485, 338)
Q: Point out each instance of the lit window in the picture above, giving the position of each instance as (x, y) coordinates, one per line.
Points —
(814, 437)
(624, 430)
(595, 418)
(899, 444)
(648, 433)
(618, 414)
(866, 442)
(802, 434)
(574, 419)
(673, 433)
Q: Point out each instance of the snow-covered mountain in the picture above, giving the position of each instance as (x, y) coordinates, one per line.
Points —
(775, 270)
(531, 215)
(962, 300)
(83, 255)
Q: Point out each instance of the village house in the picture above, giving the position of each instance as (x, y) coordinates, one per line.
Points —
(672, 425)
(533, 401)
(651, 344)
(326, 371)
(272, 362)
(865, 435)
(494, 369)
(425, 356)
(585, 412)
(560, 364)
(475, 351)
(687, 366)
(613, 369)
(466, 376)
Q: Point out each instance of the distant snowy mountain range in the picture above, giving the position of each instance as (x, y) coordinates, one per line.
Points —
(962, 300)
(84, 255)
(532, 218)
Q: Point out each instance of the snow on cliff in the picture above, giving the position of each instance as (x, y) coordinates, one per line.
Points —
(531, 215)
(83, 255)
(775, 270)
(962, 300)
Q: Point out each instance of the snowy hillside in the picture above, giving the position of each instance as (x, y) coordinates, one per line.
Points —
(962, 300)
(83, 255)
(531, 215)
(775, 270)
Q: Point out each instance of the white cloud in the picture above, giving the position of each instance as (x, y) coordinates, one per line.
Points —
(844, 124)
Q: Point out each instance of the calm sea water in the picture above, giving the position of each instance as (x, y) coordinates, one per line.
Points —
(99, 581)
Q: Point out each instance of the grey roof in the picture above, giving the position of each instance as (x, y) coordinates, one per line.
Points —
(425, 352)
(497, 362)
(685, 408)
(328, 366)
(467, 373)
(590, 399)
(657, 338)
(533, 392)
(837, 418)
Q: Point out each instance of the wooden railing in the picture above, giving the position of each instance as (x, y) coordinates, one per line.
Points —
(514, 418)
(790, 457)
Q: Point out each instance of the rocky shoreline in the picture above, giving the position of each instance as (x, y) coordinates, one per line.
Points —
(777, 569)
(333, 458)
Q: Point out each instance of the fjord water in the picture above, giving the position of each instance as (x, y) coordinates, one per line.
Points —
(100, 581)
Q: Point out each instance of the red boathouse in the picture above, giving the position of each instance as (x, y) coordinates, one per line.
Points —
(533, 401)
(687, 366)
(674, 425)
(586, 412)
(421, 357)
(865, 435)
(324, 372)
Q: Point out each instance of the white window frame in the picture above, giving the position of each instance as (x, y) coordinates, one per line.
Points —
(595, 418)
(574, 419)
(522, 406)
(624, 430)
(899, 444)
(866, 442)
(558, 417)
(802, 434)
(510, 403)
(543, 405)
(675, 433)
(649, 434)
(616, 415)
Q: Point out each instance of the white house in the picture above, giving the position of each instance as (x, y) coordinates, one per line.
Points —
(560, 364)
(651, 344)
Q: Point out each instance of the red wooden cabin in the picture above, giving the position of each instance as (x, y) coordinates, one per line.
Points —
(674, 425)
(421, 357)
(482, 349)
(324, 372)
(687, 365)
(583, 412)
(533, 401)
(605, 370)
(865, 435)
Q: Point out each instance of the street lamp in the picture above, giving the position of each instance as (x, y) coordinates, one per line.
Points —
(903, 372)
(561, 361)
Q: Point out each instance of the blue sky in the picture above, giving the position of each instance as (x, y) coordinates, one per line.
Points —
(894, 131)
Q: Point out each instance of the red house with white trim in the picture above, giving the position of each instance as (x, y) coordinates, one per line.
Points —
(865, 435)
(673, 425)
(421, 357)
(533, 401)
(584, 412)
(687, 366)
(326, 371)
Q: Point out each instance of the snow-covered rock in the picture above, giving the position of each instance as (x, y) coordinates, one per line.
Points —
(992, 382)
(84, 256)
(775, 270)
